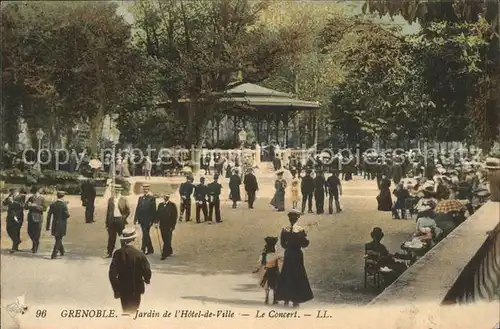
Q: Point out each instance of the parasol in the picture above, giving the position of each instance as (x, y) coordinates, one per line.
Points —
(95, 164)
(187, 170)
(447, 206)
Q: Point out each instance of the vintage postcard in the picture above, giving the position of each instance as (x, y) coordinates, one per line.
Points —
(250, 163)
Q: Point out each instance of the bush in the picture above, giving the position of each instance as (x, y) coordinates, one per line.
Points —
(53, 180)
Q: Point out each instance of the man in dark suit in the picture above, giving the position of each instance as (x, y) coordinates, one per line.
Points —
(15, 217)
(88, 196)
(307, 189)
(117, 213)
(251, 186)
(35, 206)
(186, 190)
(200, 196)
(128, 272)
(58, 210)
(214, 191)
(166, 217)
(319, 192)
(334, 188)
(144, 215)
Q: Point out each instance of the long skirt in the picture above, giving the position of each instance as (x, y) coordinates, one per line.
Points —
(384, 200)
(293, 284)
(278, 201)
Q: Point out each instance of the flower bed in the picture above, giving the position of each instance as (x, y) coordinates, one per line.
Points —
(50, 181)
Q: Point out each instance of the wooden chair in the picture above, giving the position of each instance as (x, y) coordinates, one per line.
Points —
(371, 268)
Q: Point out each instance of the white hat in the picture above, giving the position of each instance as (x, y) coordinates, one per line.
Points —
(492, 163)
(129, 233)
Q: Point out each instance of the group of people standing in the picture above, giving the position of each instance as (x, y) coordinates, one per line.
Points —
(57, 217)
(317, 188)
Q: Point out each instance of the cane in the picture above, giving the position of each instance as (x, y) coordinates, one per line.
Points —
(158, 236)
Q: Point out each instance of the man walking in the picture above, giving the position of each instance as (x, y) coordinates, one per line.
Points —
(214, 191)
(58, 210)
(35, 206)
(128, 272)
(166, 217)
(200, 195)
(334, 188)
(251, 186)
(15, 216)
(117, 213)
(307, 189)
(88, 196)
(186, 190)
(144, 215)
(319, 192)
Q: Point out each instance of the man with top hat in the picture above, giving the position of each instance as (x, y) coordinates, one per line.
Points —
(200, 196)
(251, 186)
(186, 191)
(128, 272)
(117, 212)
(166, 218)
(214, 191)
(307, 189)
(144, 215)
(58, 211)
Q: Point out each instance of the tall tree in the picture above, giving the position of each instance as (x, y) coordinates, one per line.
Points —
(484, 110)
(203, 46)
(70, 62)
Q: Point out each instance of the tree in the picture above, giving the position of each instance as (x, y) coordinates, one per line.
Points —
(203, 46)
(484, 109)
(71, 62)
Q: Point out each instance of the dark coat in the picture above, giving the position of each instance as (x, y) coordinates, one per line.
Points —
(60, 213)
(128, 272)
(234, 186)
(166, 215)
(15, 208)
(110, 212)
(36, 209)
(293, 284)
(307, 185)
(146, 210)
(201, 193)
(214, 191)
(250, 182)
(89, 193)
(186, 189)
(397, 173)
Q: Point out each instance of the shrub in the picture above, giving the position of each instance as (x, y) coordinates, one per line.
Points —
(54, 180)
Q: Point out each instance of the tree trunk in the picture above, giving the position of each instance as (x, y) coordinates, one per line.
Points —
(95, 130)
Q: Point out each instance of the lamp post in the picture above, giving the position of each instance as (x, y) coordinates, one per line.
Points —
(114, 134)
(39, 137)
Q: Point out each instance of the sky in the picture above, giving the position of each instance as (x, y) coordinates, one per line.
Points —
(353, 6)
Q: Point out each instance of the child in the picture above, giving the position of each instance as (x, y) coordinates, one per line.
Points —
(269, 267)
(295, 190)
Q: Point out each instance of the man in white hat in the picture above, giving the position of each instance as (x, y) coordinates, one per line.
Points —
(128, 272)
(144, 215)
(117, 212)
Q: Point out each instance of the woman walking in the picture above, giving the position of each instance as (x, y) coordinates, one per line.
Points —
(278, 201)
(384, 198)
(293, 284)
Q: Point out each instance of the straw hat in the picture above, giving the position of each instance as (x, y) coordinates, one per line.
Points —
(492, 163)
(128, 233)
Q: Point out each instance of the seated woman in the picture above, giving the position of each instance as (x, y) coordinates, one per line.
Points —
(376, 251)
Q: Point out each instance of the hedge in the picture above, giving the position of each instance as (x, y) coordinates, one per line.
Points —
(51, 180)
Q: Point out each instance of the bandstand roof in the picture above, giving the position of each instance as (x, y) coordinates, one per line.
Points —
(262, 99)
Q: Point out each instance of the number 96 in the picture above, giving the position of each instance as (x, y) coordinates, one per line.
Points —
(41, 313)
